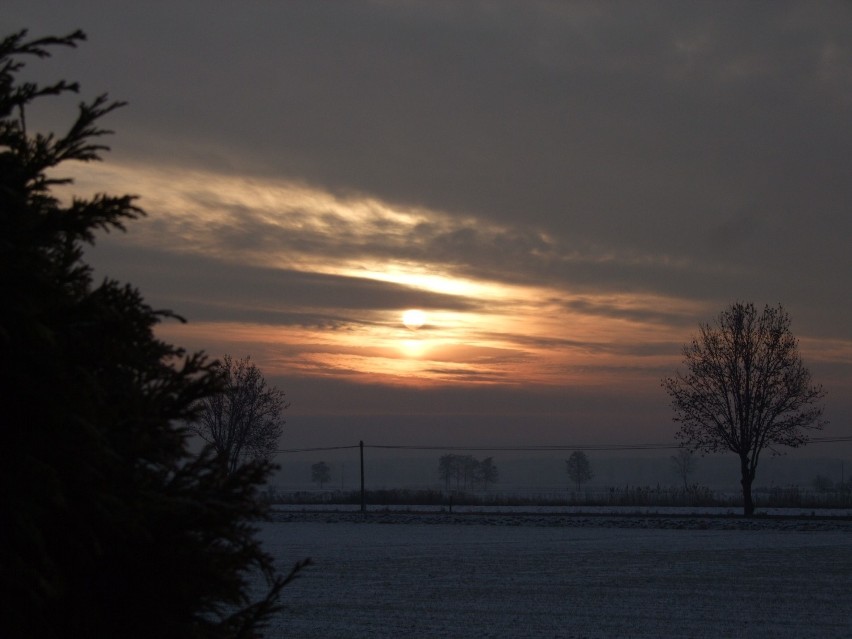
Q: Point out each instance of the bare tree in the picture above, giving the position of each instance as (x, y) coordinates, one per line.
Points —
(446, 469)
(244, 420)
(578, 467)
(487, 473)
(467, 469)
(745, 389)
(320, 473)
(683, 465)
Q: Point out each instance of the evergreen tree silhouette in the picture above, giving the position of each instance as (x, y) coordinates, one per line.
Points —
(109, 526)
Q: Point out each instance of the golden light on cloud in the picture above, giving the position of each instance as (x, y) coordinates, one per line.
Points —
(487, 332)
(413, 319)
(417, 276)
(413, 347)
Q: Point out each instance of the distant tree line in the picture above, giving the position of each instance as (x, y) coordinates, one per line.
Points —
(822, 483)
(460, 472)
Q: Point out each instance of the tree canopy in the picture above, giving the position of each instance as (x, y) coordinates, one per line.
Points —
(745, 389)
(109, 525)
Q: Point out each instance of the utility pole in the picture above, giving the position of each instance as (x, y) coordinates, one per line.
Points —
(363, 496)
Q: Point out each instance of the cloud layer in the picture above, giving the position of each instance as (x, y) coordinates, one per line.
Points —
(566, 190)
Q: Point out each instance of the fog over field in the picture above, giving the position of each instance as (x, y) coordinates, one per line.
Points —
(534, 473)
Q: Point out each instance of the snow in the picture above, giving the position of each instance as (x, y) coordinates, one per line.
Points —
(416, 575)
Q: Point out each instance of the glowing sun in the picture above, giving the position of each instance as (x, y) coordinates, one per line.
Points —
(413, 319)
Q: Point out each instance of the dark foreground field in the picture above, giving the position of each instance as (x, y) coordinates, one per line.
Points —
(410, 575)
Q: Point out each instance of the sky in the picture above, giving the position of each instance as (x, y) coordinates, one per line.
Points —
(565, 191)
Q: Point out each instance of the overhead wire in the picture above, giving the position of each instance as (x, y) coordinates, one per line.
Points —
(543, 448)
(317, 448)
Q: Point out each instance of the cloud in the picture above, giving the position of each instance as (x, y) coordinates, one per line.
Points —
(567, 188)
(661, 135)
(227, 291)
(289, 226)
(505, 303)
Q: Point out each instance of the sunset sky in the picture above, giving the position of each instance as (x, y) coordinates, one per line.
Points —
(564, 190)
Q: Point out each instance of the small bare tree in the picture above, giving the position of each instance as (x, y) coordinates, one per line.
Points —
(745, 389)
(578, 467)
(321, 473)
(244, 420)
(683, 465)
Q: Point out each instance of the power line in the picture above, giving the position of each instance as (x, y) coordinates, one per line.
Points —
(310, 450)
(829, 440)
(557, 447)
(531, 448)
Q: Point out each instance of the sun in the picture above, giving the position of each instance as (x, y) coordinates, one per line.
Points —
(413, 319)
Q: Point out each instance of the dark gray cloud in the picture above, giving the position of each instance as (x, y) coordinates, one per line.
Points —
(718, 135)
(694, 150)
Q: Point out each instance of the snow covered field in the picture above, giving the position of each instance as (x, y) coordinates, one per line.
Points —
(414, 576)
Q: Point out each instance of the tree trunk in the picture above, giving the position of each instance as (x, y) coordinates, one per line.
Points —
(747, 478)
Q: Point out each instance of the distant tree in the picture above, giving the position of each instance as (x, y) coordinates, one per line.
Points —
(109, 526)
(487, 473)
(320, 473)
(468, 467)
(244, 420)
(578, 467)
(447, 469)
(745, 389)
(683, 465)
(455, 469)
